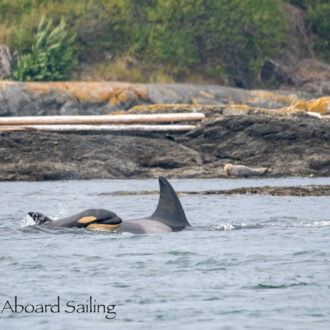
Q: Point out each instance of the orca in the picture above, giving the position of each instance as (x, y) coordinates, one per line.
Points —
(168, 217)
(91, 219)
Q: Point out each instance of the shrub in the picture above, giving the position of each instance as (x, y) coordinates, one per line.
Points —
(217, 38)
(233, 36)
(319, 16)
(52, 56)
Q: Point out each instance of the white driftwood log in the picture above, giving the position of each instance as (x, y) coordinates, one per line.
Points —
(318, 115)
(101, 120)
(126, 128)
(315, 114)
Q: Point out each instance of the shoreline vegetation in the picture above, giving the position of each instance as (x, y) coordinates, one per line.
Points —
(249, 44)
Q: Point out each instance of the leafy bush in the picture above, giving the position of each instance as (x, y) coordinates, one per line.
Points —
(215, 38)
(52, 56)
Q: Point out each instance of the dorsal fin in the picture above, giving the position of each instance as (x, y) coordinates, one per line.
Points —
(169, 209)
(39, 218)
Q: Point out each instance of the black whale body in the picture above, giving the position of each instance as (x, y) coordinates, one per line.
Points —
(92, 218)
(169, 216)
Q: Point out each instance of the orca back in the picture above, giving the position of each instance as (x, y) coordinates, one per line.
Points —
(169, 210)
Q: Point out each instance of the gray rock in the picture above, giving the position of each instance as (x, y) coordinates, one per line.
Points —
(19, 99)
(5, 62)
(69, 108)
(289, 146)
(215, 95)
(15, 99)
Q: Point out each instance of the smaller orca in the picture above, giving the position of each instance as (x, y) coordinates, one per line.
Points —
(91, 219)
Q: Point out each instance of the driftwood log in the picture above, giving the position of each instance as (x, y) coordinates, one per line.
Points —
(100, 120)
(109, 128)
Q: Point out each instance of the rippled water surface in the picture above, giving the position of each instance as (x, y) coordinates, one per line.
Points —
(254, 262)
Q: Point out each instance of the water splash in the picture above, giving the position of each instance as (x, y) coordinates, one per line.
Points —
(62, 210)
(27, 221)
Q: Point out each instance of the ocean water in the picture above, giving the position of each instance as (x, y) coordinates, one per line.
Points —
(254, 262)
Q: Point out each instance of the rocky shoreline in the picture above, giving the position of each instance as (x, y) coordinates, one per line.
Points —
(301, 191)
(288, 146)
(285, 139)
(99, 98)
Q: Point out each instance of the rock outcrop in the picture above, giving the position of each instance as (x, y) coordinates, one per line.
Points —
(296, 145)
(309, 190)
(254, 128)
(67, 98)
(93, 98)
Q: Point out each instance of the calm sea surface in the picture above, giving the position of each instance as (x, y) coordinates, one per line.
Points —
(254, 262)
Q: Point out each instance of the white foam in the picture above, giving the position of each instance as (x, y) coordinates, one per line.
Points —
(323, 223)
(230, 226)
